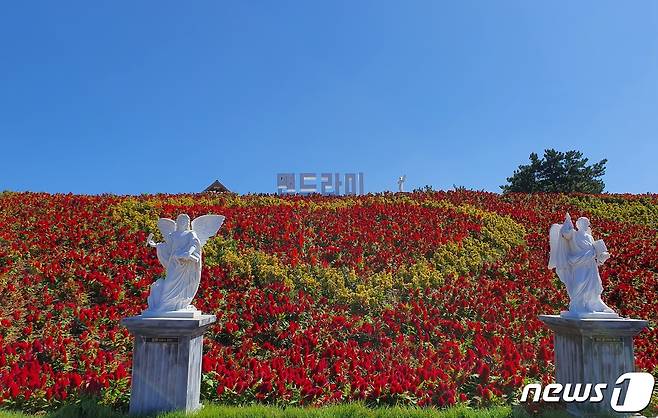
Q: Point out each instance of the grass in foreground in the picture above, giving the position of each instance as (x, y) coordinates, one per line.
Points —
(89, 409)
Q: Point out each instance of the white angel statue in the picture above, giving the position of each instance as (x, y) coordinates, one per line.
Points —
(180, 254)
(575, 256)
(401, 181)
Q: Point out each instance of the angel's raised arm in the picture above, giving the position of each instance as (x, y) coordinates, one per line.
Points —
(567, 227)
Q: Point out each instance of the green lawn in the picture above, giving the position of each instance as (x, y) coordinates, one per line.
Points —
(91, 409)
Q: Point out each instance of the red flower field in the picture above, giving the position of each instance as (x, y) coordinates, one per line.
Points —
(416, 298)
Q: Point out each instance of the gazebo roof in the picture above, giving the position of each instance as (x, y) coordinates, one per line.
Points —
(216, 186)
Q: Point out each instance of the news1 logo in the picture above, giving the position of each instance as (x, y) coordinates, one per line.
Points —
(638, 392)
(329, 183)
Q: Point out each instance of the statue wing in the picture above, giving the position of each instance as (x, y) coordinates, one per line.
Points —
(206, 226)
(558, 257)
(166, 227)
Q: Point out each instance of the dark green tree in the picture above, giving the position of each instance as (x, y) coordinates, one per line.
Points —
(557, 172)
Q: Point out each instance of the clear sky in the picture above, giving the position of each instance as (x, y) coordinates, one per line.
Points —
(165, 96)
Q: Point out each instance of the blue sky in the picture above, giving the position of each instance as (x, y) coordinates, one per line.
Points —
(165, 96)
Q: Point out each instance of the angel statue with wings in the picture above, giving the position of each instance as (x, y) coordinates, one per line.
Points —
(575, 256)
(180, 254)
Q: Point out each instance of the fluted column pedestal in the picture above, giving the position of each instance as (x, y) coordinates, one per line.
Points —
(166, 372)
(593, 351)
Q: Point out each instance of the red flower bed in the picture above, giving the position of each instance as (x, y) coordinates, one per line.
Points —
(70, 269)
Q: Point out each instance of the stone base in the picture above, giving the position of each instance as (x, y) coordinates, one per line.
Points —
(166, 373)
(593, 351)
(590, 315)
(183, 313)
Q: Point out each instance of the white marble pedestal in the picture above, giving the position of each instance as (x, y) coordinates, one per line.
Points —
(166, 372)
(593, 351)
